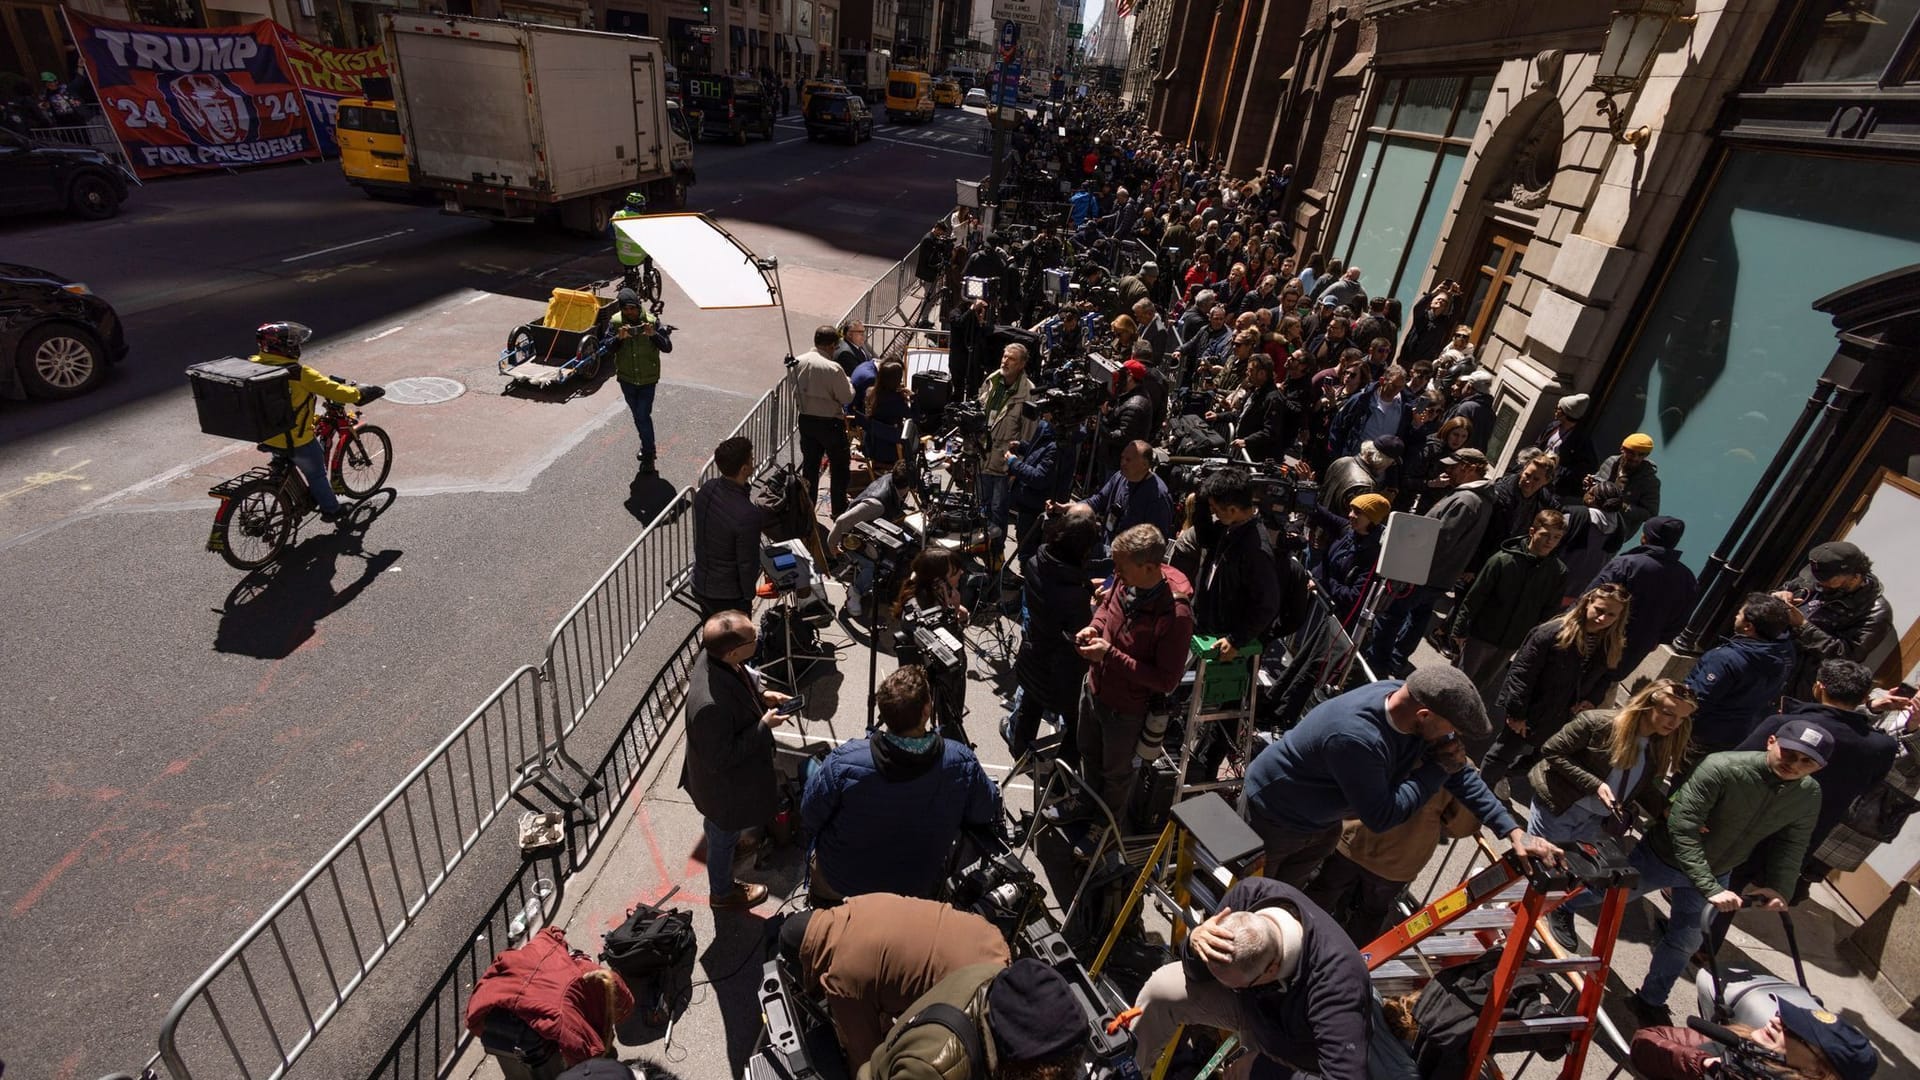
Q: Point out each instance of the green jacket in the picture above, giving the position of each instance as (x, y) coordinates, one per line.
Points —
(929, 1051)
(637, 359)
(1578, 758)
(1515, 592)
(1729, 807)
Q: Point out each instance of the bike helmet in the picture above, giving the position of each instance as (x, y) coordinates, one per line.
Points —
(282, 338)
(636, 201)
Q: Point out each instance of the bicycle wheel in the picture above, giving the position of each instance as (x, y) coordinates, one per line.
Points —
(649, 282)
(258, 525)
(364, 461)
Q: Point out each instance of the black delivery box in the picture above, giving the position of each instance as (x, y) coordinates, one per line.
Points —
(239, 399)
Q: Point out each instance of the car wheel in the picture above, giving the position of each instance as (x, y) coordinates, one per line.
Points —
(60, 360)
(93, 198)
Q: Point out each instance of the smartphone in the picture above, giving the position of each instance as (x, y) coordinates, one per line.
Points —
(792, 705)
(1903, 690)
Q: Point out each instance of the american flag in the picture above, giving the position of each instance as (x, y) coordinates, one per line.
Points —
(1125, 9)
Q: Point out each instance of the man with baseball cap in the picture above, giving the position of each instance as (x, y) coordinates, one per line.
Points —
(1839, 612)
(1735, 804)
(1812, 1042)
(986, 1021)
(1377, 754)
(1633, 469)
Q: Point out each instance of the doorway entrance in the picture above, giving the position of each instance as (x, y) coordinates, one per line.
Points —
(1501, 253)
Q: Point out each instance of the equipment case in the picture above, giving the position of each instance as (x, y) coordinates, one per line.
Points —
(239, 399)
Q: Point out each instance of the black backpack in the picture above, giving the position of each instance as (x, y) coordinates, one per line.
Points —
(653, 951)
(1192, 436)
(781, 496)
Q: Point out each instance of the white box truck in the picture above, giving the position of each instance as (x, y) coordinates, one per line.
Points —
(522, 122)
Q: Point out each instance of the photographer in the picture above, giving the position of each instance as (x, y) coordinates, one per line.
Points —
(1061, 336)
(1129, 414)
(930, 598)
(1261, 427)
(969, 329)
(1153, 329)
(1238, 594)
(1057, 600)
(885, 811)
(1004, 397)
(1134, 494)
(885, 498)
(1432, 324)
(1040, 469)
(1136, 650)
(1807, 1044)
(930, 261)
(874, 955)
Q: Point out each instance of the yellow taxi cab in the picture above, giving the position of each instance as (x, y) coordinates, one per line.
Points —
(818, 86)
(373, 153)
(946, 94)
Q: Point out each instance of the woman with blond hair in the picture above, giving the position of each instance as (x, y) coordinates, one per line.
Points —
(1563, 667)
(1603, 762)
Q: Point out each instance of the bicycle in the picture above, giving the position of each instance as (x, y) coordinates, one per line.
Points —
(261, 509)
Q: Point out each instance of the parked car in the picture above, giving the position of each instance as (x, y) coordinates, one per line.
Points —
(841, 115)
(35, 177)
(977, 97)
(58, 336)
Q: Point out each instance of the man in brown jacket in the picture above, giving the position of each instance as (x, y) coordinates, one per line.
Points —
(877, 953)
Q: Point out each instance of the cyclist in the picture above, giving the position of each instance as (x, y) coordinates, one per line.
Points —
(279, 344)
(633, 257)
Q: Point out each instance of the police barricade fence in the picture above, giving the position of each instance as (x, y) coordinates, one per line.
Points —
(262, 1003)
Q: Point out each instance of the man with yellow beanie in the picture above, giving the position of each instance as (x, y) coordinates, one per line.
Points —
(1346, 570)
(1633, 469)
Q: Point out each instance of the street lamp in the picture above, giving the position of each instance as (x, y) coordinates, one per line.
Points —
(1633, 41)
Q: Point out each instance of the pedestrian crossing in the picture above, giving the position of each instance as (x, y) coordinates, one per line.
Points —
(962, 135)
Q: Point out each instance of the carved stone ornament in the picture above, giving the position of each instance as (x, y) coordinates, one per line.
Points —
(1530, 174)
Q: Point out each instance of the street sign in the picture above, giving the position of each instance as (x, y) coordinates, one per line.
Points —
(705, 29)
(1009, 40)
(1074, 30)
(1008, 92)
(1025, 11)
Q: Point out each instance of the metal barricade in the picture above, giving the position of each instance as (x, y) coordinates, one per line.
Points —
(268, 996)
(594, 638)
(96, 136)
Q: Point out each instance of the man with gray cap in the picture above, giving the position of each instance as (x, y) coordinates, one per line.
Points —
(1377, 754)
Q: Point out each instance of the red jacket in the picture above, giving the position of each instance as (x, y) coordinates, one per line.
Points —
(555, 991)
(1673, 1053)
(1149, 651)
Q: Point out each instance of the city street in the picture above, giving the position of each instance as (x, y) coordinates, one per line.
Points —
(178, 751)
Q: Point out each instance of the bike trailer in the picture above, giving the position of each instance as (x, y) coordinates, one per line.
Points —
(239, 399)
(562, 346)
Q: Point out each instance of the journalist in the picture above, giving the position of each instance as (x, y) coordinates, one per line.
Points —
(728, 771)
(1134, 494)
(1376, 753)
(886, 811)
(726, 532)
(1057, 598)
(1040, 469)
(1238, 594)
(1003, 397)
(822, 392)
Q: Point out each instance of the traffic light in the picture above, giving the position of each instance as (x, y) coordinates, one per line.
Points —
(706, 9)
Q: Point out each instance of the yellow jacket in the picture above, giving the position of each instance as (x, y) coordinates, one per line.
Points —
(304, 386)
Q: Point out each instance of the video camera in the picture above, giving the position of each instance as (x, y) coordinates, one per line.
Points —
(999, 888)
(1073, 397)
(1277, 493)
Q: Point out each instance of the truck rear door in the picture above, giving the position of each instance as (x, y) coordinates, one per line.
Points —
(466, 106)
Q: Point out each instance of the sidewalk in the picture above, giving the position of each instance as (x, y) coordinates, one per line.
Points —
(646, 855)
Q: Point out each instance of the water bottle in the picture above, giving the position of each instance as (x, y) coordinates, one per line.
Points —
(530, 916)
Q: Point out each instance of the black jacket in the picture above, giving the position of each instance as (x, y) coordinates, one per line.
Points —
(1578, 460)
(1059, 602)
(728, 771)
(1544, 683)
(1843, 625)
(1318, 1022)
(726, 540)
(1238, 593)
(1347, 571)
(1263, 423)
(1859, 759)
(1478, 409)
(1426, 335)
(1131, 418)
(1036, 472)
(1662, 590)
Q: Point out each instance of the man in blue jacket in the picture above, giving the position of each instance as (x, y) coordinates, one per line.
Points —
(1660, 584)
(1274, 969)
(1377, 753)
(1739, 683)
(884, 812)
(1041, 471)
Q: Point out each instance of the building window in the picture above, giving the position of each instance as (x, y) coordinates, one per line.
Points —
(1408, 165)
(1849, 41)
(1731, 346)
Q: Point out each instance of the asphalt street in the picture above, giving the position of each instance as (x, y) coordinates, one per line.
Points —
(179, 750)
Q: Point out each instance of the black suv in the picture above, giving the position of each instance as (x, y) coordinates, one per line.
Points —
(56, 337)
(842, 115)
(728, 107)
(36, 178)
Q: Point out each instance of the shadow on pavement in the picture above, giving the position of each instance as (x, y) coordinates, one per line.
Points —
(647, 495)
(274, 609)
(731, 964)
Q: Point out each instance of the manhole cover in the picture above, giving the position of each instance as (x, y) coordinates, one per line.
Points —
(423, 390)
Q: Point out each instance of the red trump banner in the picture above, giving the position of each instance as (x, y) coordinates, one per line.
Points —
(325, 75)
(185, 100)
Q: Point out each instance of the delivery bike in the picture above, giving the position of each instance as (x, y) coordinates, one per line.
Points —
(262, 509)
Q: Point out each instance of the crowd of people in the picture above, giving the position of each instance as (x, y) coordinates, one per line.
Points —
(1555, 577)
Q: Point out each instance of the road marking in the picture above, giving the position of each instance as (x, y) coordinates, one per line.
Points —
(474, 299)
(343, 247)
(929, 146)
(36, 481)
(384, 333)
